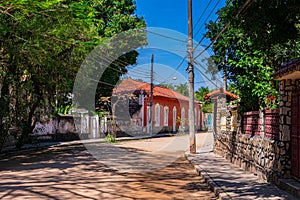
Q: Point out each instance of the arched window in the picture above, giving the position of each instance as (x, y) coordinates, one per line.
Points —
(166, 116)
(174, 118)
(157, 115)
(182, 117)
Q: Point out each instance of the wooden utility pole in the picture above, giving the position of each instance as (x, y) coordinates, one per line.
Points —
(151, 96)
(191, 80)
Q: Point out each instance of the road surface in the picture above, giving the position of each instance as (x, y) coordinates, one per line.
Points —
(142, 169)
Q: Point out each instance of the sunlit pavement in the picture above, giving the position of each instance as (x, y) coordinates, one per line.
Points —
(140, 169)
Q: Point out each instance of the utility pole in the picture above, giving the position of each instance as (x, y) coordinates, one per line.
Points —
(151, 96)
(191, 80)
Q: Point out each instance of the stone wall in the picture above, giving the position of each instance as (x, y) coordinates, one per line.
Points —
(268, 158)
(261, 143)
(286, 89)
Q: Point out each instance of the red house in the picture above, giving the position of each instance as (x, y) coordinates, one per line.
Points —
(169, 108)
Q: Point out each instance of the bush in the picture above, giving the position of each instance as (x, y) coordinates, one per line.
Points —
(110, 139)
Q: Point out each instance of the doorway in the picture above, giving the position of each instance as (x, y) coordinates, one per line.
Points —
(295, 135)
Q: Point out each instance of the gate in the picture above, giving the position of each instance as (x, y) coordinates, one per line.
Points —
(295, 136)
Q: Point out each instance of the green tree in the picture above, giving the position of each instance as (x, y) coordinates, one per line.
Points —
(258, 39)
(42, 44)
(199, 96)
(182, 89)
(200, 93)
(116, 17)
(166, 85)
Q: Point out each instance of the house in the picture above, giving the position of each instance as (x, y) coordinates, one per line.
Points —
(131, 108)
(219, 98)
(267, 142)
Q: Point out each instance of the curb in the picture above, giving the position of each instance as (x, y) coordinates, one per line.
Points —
(219, 191)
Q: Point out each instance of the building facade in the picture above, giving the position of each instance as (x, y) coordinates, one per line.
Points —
(132, 108)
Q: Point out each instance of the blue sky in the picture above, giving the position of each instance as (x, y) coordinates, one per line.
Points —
(167, 24)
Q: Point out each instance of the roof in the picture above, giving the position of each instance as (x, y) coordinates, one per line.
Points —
(289, 70)
(130, 86)
(220, 91)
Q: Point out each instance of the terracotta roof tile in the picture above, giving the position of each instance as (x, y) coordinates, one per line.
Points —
(220, 91)
(129, 86)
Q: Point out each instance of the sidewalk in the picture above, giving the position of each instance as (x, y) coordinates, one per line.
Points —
(231, 182)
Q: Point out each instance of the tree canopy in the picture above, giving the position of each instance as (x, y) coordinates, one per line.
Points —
(181, 88)
(199, 96)
(42, 45)
(259, 36)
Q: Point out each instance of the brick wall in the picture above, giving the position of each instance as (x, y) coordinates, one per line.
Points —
(256, 145)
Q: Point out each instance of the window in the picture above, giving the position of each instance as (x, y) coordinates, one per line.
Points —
(157, 115)
(182, 117)
(166, 115)
(148, 115)
(174, 118)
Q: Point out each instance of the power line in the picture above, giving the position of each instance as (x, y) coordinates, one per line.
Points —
(206, 76)
(203, 37)
(126, 64)
(110, 59)
(207, 18)
(200, 82)
(159, 76)
(245, 6)
(177, 68)
(138, 75)
(98, 81)
(204, 11)
(166, 36)
(134, 70)
(107, 60)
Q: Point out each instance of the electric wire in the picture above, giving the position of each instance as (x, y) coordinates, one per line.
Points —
(110, 59)
(177, 68)
(243, 8)
(166, 36)
(204, 11)
(107, 57)
(207, 18)
(203, 37)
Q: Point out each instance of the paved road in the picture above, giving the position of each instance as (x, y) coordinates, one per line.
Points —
(147, 154)
(142, 169)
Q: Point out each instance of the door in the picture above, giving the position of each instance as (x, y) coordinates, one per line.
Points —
(295, 136)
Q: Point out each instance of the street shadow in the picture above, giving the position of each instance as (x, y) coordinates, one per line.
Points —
(74, 173)
(235, 181)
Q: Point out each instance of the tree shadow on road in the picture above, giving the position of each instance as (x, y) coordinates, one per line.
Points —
(73, 173)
